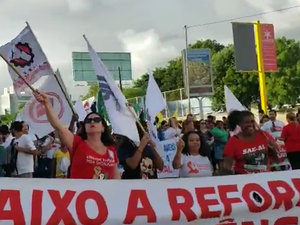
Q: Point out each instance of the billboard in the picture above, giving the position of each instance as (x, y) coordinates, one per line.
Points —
(117, 63)
(245, 47)
(200, 80)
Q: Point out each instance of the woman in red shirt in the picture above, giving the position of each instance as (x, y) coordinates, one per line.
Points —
(290, 134)
(249, 150)
(92, 151)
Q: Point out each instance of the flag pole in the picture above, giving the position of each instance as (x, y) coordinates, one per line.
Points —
(136, 118)
(56, 78)
(260, 65)
(63, 91)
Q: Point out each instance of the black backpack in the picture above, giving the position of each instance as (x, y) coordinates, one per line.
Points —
(9, 159)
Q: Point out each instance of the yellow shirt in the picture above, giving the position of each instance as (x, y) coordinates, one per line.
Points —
(59, 155)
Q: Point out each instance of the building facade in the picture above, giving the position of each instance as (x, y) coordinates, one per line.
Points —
(10, 101)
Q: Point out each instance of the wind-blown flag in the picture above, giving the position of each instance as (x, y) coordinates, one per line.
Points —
(155, 103)
(121, 119)
(26, 55)
(231, 102)
(160, 118)
(34, 113)
(80, 110)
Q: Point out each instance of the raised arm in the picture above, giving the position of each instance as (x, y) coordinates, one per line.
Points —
(64, 133)
(177, 159)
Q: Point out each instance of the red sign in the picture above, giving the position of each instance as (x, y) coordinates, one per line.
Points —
(267, 37)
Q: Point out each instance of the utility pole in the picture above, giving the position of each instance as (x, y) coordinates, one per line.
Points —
(187, 80)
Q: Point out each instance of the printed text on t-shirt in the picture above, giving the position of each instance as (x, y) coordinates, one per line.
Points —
(254, 149)
(103, 162)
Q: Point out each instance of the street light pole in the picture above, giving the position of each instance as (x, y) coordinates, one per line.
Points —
(187, 82)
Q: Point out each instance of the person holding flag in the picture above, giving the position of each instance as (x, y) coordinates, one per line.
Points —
(93, 155)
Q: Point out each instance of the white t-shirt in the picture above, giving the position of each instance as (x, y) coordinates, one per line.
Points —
(25, 161)
(49, 154)
(7, 141)
(195, 166)
(171, 132)
(278, 127)
(32, 137)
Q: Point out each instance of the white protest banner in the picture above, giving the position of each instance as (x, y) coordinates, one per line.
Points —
(25, 54)
(167, 150)
(34, 113)
(257, 199)
(121, 119)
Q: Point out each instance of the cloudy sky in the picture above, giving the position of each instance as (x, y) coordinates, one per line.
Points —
(151, 30)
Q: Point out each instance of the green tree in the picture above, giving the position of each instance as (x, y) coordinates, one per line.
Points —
(213, 45)
(167, 78)
(7, 118)
(133, 92)
(243, 85)
(92, 92)
(171, 77)
(21, 106)
(283, 87)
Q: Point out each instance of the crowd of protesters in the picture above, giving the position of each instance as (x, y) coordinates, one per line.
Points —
(210, 147)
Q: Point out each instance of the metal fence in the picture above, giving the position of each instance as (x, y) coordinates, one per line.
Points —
(176, 103)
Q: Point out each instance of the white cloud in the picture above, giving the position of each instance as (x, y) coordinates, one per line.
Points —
(147, 51)
(282, 20)
(150, 30)
(76, 6)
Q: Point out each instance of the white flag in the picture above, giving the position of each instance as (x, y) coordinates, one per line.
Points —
(80, 110)
(34, 113)
(155, 103)
(25, 54)
(121, 119)
(231, 102)
(87, 105)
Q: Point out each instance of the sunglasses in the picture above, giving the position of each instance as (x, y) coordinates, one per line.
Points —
(95, 120)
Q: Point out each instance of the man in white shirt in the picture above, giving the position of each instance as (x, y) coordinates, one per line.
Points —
(26, 150)
(26, 131)
(273, 126)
